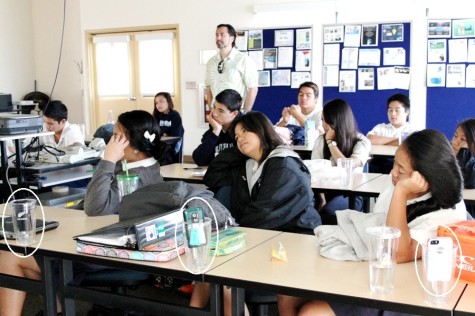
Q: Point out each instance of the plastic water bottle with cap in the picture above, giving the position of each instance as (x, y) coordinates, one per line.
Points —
(110, 117)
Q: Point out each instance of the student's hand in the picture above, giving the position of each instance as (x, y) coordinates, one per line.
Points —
(286, 115)
(215, 125)
(295, 110)
(115, 148)
(330, 134)
(413, 185)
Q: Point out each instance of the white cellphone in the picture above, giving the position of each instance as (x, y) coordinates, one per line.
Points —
(440, 257)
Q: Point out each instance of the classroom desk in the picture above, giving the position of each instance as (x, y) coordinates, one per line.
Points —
(334, 186)
(466, 303)
(58, 244)
(305, 152)
(307, 274)
(383, 150)
(177, 171)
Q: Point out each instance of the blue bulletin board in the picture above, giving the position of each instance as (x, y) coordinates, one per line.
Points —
(367, 101)
(450, 93)
(286, 62)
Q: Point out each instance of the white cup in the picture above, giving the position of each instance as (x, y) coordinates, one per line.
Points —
(383, 245)
(439, 274)
(24, 220)
(197, 245)
(345, 165)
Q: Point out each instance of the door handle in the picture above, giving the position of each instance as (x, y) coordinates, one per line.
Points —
(132, 98)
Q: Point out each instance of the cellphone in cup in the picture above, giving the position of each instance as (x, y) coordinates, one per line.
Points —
(383, 246)
(127, 184)
(24, 220)
(439, 258)
(197, 230)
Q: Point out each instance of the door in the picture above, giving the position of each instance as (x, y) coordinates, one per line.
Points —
(129, 68)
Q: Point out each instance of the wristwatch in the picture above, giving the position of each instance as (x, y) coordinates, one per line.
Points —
(331, 144)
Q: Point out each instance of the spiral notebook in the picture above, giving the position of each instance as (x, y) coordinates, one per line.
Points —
(8, 231)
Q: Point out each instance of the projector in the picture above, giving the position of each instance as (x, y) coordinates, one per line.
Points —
(12, 123)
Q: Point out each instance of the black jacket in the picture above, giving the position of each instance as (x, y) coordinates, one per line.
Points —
(282, 198)
(467, 165)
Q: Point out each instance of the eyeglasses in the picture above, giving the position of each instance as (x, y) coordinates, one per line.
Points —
(221, 66)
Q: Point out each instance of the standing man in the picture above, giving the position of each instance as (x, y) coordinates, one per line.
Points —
(231, 69)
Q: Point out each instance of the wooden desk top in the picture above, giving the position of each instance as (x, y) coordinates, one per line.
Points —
(374, 186)
(307, 274)
(383, 150)
(466, 304)
(177, 171)
(59, 243)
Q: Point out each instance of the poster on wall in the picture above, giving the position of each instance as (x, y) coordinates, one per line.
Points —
(281, 77)
(270, 58)
(255, 40)
(436, 75)
(369, 35)
(241, 40)
(333, 34)
(284, 38)
(463, 28)
(437, 51)
(304, 39)
(303, 60)
(264, 78)
(300, 77)
(392, 33)
(439, 28)
(352, 36)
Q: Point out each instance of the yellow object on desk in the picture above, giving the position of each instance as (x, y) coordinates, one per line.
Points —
(279, 254)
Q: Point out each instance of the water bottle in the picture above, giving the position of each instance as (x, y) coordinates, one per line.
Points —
(310, 133)
(110, 117)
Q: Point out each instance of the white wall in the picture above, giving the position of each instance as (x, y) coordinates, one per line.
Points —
(197, 21)
(17, 67)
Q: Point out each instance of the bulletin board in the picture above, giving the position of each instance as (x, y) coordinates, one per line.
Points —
(365, 64)
(284, 59)
(450, 73)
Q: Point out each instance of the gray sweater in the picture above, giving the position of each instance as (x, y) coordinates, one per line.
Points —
(102, 195)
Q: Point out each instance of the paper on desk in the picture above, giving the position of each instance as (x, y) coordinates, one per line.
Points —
(199, 173)
(111, 239)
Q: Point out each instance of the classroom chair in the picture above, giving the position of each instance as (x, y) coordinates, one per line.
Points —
(258, 302)
(118, 281)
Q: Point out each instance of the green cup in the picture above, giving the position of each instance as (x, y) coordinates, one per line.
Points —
(127, 184)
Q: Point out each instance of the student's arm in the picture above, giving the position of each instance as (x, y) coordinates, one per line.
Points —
(204, 153)
(397, 214)
(285, 117)
(383, 140)
(209, 96)
(250, 98)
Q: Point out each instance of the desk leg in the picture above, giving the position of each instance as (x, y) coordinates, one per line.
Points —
(68, 306)
(216, 299)
(237, 301)
(49, 299)
(351, 202)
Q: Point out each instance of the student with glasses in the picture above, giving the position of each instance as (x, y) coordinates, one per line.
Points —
(224, 111)
(231, 69)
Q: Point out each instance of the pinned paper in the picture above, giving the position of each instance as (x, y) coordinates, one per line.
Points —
(279, 254)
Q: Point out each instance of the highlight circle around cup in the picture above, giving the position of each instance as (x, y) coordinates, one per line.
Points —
(217, 237)
(417, 270)
(3, 222)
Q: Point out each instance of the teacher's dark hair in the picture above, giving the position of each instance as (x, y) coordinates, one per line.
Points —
(258, 123)
(432, 156)
(136, 123)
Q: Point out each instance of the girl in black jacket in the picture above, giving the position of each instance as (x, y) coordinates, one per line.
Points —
(463, 144)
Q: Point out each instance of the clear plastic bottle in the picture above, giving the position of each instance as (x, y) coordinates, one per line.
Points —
(110, 117)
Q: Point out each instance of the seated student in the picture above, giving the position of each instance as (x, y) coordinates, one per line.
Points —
(425, 191)
(398, 107)
(55, 118)
(136, 138)
(224, 111)
(169, 121)
(463, 145)
(341, 140)
(270, 185)
(135, 145)
(306, 109)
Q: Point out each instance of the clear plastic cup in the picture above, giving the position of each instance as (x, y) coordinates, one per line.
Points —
(127, 184)
(24, 220)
